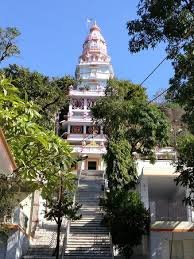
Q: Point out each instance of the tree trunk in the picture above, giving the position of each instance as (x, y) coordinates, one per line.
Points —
(59, 220)
(58, 237)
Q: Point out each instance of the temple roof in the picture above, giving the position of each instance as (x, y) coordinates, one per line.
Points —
(94, 47)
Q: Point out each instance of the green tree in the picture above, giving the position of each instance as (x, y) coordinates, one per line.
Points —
(125, 113)
(170, 22)
(50, 94)
(185, 165)
(61, 204)
(6, 197)
(126, 218)
(133, 128)
(8, 45)
(39, 153)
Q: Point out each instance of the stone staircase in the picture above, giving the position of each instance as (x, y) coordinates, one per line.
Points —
(87, 237)
(43, 244)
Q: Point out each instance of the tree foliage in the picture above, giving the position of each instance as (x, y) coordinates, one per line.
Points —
(126, 218)
(171, 22)
(121, 168)
(29, 102)
(126, 114)
(66, 209)
(6, 197)
(133, 128)
(39, 153)
(8, 45)
(185, 165)
(50, 94)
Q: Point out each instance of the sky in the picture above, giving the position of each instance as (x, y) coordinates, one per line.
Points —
(53, 32)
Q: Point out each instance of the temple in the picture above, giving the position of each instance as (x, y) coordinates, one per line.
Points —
(92, 72)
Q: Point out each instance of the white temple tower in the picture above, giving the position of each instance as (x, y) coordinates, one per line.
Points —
(93, 71)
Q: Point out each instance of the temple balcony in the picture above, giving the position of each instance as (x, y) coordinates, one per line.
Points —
(79, 119)
(86, 137)
(84, 92)
(89, 149)
(94, 62)
(95, 76)
(168, 210)
(175, 226)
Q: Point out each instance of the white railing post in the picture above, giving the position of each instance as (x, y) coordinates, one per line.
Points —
(69, 221)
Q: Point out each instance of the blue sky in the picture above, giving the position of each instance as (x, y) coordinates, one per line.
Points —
(52, 34)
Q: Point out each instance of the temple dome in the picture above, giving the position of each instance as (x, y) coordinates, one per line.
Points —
(94, 47)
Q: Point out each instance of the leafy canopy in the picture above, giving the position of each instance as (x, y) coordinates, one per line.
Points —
(171, 22)
(8, 45)
(50, 94)
(185, 165)
(126, 218)
(125, 113)
(39, 153)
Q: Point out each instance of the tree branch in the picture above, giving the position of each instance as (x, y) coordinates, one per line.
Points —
(5, 52)
(51, 103)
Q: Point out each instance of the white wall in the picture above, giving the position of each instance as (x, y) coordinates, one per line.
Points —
(6, 165)
(182, 245)
(17, 245)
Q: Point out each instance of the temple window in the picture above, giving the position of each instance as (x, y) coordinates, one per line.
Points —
(76, 129)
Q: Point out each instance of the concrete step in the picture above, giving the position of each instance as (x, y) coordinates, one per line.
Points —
(88, 237)
(92, 254)
(88, 232)
(85, 219)
(41, 252)
(87, 257)
(38, 257)
(85, 248)
(90, 218)
(90, 243)
(88, 251)
(88, 224)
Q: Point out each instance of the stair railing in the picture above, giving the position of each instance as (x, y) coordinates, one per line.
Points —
(111, 246)
(110, 236)
(68, 222)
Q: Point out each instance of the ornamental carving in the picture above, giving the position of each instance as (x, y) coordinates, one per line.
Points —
(90, 103)
(92, 130)
(77, 104)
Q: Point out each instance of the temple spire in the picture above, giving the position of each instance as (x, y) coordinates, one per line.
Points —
(94, 47)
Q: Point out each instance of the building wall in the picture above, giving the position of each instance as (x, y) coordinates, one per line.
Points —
(17, 245)
(7, 165)
(26, 214)
(179, 245)
(3, 245)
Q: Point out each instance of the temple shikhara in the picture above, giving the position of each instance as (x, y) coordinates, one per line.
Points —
(93, 70)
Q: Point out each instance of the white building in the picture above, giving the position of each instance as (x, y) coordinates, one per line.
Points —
(93, 71)
(172, 227)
